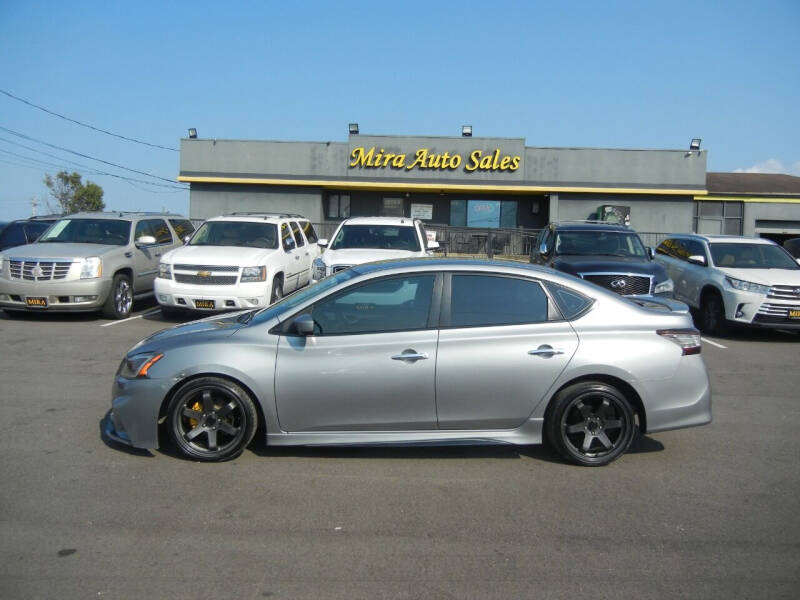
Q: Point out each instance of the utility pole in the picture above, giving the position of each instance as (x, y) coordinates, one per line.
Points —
(34, 204)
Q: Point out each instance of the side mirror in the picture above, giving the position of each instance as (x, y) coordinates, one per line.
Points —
(145, 240)
(322, 243)
(186, 239)
(651, 252)
(798, 261)
(288, 243)
(304, 324)
(543, 249)
(697, 259)
(433, 245)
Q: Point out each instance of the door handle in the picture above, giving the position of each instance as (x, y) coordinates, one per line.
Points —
(410, 355)
(545, 350)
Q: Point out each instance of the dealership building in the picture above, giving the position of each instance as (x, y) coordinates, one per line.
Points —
(487, 183)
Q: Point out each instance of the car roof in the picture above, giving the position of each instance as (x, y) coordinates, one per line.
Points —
(400, 221)
(725, 239)
(257, 217)
(584, 226)
(118, 215)
(436, 263)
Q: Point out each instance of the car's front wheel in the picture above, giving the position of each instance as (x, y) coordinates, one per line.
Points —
(712, 315)
(591, 423)
(120, 300)
(211, 419)
(277, 290)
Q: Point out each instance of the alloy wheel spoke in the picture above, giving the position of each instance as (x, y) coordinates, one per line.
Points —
(613, 424)
(227, 409)
(208, 403)
(228, 428)
(587, 441)
(190, 435)
(604, 440)
(577, 428)
(586, 411)
(192, 414)
(212, 439)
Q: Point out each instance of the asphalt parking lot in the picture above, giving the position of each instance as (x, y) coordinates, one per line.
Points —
(709, 512)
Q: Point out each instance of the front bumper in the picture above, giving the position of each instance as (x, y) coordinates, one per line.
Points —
(135, 410)
(242, 296)
(758, 310)
(81, 295)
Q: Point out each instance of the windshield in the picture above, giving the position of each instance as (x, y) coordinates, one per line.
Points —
(289, 302)
(751, 256)
(599, 243)
(109, 232)
(382, 237)
(236, 233)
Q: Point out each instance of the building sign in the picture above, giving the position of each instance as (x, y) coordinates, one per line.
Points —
(423, 158)
(422, 211)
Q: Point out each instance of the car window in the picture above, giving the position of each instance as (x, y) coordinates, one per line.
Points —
(569, 302)
(298, 237)
(388, 304)
(235, 233)
(287, 241)
(751, 256)
(182, 227)
(110, 232)
(486, 300)
(676, 248)
(13, 235)
(35, 229)
(308, 229)
(382, 237)
(161, 231)
(143, 228)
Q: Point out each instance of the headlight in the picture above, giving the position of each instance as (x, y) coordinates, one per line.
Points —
(319, 269)
(138, 365)
(254, 274)
(747, 286)
(91, 268)
(665, 287)
(165, 270)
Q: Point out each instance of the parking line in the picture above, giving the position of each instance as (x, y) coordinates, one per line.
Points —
(152, 312)
(714, 343)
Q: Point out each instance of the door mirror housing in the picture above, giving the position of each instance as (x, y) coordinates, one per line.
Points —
(304, 324)
(697, 259)
(145, 240)
(322, 242)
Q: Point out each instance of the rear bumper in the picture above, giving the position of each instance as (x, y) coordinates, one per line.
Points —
(683, 400)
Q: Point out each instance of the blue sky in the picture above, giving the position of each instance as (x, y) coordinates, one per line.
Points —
(574, 74)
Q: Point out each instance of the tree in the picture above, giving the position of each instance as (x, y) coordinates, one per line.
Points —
(71, 193)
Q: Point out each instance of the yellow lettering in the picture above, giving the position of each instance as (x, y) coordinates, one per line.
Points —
(496, 159)
(399, 161)
(387, 158)
(505, 162)
(362, 158)
(486, 163)
(455, 160)
(421, 155)
(515, 163)
(474, 157)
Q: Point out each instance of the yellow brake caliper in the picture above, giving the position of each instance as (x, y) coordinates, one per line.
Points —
(199, 408)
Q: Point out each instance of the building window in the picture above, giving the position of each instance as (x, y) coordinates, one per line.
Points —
(392, 207)
(483, 214)
(715, 218)
(338, 206)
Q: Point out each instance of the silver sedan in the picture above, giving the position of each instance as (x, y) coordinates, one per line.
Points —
(418, 352)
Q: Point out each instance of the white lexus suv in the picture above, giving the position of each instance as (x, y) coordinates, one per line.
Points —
(369, 239)
(731, 279)
(237, 261)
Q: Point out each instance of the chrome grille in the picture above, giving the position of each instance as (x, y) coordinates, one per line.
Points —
(39, 270)
(784, 292)
(195, 268)
(625, 285)
(777, 310)
(210, 280)
(337, 268)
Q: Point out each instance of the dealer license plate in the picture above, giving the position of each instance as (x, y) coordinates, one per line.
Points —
(38, 302)
(204, 303)
(794, 314)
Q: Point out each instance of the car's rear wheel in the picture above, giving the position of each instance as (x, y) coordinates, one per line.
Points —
(120, 300)
(591, 423)
(211, 419)
(712, 314)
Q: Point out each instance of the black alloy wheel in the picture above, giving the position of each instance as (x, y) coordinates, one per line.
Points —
(277, 290)
(591, 424)
(712, 315)
(120, 299)
(211, 419)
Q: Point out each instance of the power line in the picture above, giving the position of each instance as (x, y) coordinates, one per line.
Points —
(84, 168)
(26, 137)
(111, 133)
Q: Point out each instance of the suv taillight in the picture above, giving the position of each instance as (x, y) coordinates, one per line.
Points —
(687, 339)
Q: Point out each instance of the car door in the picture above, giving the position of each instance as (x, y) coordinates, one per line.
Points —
(500, 350)
(371, 364)
(303, 256)
(146, 257)
(291, 259)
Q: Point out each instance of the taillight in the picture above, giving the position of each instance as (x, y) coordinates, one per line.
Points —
(687, 339)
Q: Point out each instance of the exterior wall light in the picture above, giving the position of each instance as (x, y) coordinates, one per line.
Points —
(353, 128)
(695, 145)
(192, 133)
(466, 130)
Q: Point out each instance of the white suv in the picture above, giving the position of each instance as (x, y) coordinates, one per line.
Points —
(369, 239)
(237, 261)
(732, 279)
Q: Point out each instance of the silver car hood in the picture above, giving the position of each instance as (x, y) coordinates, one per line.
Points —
(217, 326)
(59, 250)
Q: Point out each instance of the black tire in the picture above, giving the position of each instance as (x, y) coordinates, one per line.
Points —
(712, 315)
(277, 290)
(590, 424)
(120, 299)
(211, 419)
